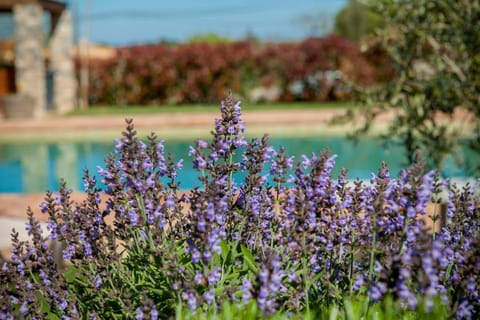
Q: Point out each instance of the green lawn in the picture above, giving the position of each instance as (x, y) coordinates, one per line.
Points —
(136, 109)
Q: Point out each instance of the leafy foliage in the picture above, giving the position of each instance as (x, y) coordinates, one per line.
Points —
(264, 236)
(356, 21)
(434, 46)
(201, 71)
(209, 37)
(349, 310)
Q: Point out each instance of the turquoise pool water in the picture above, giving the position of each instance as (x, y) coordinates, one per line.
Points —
(37, 167)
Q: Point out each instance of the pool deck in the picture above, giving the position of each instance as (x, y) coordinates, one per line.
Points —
(166, 126)
(172, 125)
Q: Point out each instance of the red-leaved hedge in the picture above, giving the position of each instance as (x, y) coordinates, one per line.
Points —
(316, 69)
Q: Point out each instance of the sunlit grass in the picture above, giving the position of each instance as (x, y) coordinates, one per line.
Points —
(157, 109)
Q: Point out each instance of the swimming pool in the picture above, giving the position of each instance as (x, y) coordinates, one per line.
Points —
(37, 167)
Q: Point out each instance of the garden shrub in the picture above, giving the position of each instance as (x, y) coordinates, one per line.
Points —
(434, 54)
(283, 238)
(200, 72)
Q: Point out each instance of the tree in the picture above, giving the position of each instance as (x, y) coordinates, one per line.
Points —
(209, 37)
(435, 49)
(357, 20)
(317, 24)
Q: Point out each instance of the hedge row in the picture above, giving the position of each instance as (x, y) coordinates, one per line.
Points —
(316, 69)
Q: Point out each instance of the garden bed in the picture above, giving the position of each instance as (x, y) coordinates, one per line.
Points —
(281, 247)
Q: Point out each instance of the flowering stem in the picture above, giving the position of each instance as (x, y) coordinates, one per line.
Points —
(341, 246)
(230, 179)
(306, 284)
(350, 270)
(434, 220)
(372, 251)
(148, 232)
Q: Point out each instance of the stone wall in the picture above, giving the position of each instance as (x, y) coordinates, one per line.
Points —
(29, 60)
(61, 63)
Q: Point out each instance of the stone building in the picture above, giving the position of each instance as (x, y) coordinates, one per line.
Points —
(36, 56)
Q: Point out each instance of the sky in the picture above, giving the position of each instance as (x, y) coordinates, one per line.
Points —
(126, 22)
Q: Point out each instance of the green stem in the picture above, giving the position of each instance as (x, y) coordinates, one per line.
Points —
(372, 256)
(434, 220)
(307, 285)
(350, 271)
(372, 250)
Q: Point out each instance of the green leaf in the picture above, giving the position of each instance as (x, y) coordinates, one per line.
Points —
(349, 312)
(225, 250)
(334, 313)
(52, 316)
(248, 258)
(70, 273)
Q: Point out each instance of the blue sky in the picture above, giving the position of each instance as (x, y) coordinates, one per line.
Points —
(123, 22)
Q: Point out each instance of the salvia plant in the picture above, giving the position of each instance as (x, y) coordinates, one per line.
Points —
(262, 230)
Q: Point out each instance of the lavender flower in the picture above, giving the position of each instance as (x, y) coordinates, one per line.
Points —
(246, 288)
(191, 299)
(198, 277)
(133, 216)
(154, 313)
(24, 308)
(376, 291)
(139, 314)
(209, 296)
(293, 234)
(270, 282)
(86, 244)
(214, 276)
(464, 310)
(98, 281)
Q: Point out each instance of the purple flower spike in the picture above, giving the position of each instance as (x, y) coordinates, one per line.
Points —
(464, 310)
(246, 288)
(214, 276)
(98, 281)
(154, 313)
(191, 299)
(139, 314)
(209, 296)
(377, 291)
(133, 216)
